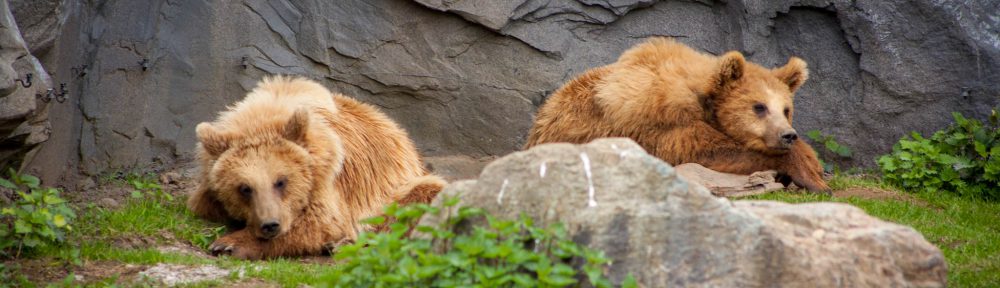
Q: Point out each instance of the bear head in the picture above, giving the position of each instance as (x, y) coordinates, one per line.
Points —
(263, 178)
(753, 104)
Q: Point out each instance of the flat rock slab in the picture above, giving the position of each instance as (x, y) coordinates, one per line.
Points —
(173, 274)
(730, 185)
(668, 232)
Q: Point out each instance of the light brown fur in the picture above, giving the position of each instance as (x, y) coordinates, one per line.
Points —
(685, 106)
(314, 162)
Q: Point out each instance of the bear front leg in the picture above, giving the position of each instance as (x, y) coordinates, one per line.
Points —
(701, 143)
(240, 244)
(803, 167)
(305, 238)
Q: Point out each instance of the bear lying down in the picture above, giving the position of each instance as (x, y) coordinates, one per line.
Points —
(684, 106)
(296, 168)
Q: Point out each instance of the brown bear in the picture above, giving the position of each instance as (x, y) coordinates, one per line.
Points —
(297, 167)
(685, 106)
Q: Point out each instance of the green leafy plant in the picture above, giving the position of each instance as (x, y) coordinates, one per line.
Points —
(963, 158)
(148, 187)
(503, 253)
(831, 145)
(39, 217)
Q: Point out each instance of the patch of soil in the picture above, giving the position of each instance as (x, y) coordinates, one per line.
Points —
(951, 243)
(181, 248)
(176, 181)
(133, 242)
(174, 274)
(40, 270)
(94, 271)
(323, 259)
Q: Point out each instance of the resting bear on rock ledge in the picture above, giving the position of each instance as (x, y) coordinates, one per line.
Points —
(684, 106)
(299, 166)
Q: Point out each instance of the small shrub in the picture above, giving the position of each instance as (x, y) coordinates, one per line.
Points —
(37, 219)
(963, 158)
(149, 187)
(504, 253)
(831, 145)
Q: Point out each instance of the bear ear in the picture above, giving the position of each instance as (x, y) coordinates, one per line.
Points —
(730, 69)
(793, 74)
(295, 129)
(213, 141)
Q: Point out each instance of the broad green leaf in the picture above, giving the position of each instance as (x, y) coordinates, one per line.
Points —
(629, 282)
(844, 151)
(7, 184)
(558, 280)
(524, 280)
(905, 156)
(59, 220)
(377, 220)
(408, 267)
(980, 148)
(959, 119)
(52, 199)
(30, 181)
(30, 198)
(814, 135)
(22, 227)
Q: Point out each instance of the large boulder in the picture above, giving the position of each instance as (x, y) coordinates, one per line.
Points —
(23, 123)
(614, 197)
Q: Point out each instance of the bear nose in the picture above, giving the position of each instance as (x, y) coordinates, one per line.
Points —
(789, 136)
(270, 229)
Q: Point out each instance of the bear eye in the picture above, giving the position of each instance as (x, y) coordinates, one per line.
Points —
(760, 109)
(786, 112)
(245, 190)
(280, 184)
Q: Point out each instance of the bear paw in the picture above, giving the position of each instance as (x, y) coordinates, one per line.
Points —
(237, 245)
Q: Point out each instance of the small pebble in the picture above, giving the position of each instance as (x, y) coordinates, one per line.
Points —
(86, 184)
(108, 203)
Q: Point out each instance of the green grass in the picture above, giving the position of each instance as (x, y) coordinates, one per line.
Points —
(966, 230)
(97, 229)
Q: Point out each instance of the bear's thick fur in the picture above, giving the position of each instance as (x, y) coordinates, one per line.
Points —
(684, 106)
(296, 167)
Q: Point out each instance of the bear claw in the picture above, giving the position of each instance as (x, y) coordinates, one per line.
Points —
(221, 249)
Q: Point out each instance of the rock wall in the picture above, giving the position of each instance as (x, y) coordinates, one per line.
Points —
(23, 123)
(465, 77)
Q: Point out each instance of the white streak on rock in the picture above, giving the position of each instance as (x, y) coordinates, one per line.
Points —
(502, 188)
(590, 180)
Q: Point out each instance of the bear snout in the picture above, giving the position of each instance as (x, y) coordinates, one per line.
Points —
(788, 137)
(270, 229)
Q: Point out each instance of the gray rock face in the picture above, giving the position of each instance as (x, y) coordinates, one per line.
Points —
(39, 22)
(465, 77)
(613, 196)
(23, 124)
